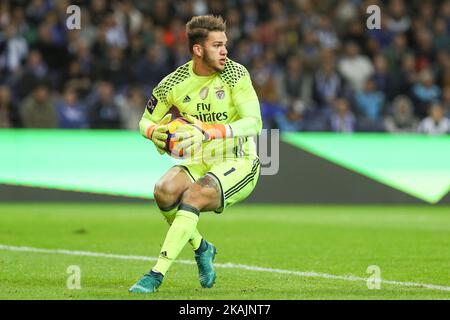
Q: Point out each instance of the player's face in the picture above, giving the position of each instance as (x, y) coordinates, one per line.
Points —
(215, 51)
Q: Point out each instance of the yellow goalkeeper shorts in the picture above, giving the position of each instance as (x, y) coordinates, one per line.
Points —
(237, 177)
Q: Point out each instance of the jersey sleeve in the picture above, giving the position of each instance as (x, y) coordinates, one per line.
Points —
(247, 104)
(157, 106)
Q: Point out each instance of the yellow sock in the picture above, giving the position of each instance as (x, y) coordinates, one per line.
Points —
(181, 230)
(196, 238)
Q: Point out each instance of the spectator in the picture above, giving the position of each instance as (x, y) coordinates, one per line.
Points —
(114, 32)
(88, 31)
(115, 69)
(53, 53)
(36, 11)
(354, 67)
(436, 123)
(100, 44)
(293, 120)
(381, 77)
(443, 73)
(129, 41)
(85, 58)
(6, 109)
(398, 49)
(425, 92)
(310, 51)
(426, 13)
(234, 30)
(175, 34)
(99, 10)
(441, 37)
(446, 100)
(346, 12)
(37, 111)
(425, 52)
(35, 72)
(13, 49)
(128, 17)
(444, 12)
(327, 84)
(369, 103)
(293, 82)
(443, 69)
(5, 16)
(398, 20)
(243, 52)
(131, 108)
(104, 112)
(267, 89)
(355, 32)
(380, 39)
(403, 80)
(77, 80)
(181, 54)
(326, 34)
(341, 119)
(402, 118)
(135, 50)
(71, 114)
(23, 26)
(152, 67)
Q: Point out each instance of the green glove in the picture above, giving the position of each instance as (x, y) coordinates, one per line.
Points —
(159, 133)
(190, 138)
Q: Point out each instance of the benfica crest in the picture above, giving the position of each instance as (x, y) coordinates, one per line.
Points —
(220, 93)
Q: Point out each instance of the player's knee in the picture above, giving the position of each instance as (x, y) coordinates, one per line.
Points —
(197, 196)
(166, 193)
(192, 194)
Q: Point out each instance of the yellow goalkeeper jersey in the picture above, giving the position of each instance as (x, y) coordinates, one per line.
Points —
(223, 97)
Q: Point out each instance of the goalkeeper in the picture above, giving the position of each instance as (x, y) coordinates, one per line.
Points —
(215, 94)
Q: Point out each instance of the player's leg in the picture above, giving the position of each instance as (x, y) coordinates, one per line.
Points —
(203, 195)
(170, 187)
(168, 192)
(237, 177)
(224, 184)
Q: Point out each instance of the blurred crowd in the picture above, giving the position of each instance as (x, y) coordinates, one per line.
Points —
(314, 64)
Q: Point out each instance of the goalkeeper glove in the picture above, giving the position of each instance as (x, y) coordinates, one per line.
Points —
(158, 133)
(195, 132)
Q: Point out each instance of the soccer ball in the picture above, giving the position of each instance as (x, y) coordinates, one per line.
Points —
(170, 146)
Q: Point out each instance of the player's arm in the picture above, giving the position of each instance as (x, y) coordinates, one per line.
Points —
(247, 104)
(153, 124)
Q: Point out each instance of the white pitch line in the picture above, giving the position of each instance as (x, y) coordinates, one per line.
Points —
(222, 265)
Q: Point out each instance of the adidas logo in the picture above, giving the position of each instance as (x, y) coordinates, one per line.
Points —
(186, 99)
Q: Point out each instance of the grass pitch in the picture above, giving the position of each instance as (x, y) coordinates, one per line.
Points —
(407, 243)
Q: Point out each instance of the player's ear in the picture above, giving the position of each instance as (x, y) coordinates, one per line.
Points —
(198, 50)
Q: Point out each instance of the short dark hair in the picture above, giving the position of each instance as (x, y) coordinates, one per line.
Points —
(198, 28)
